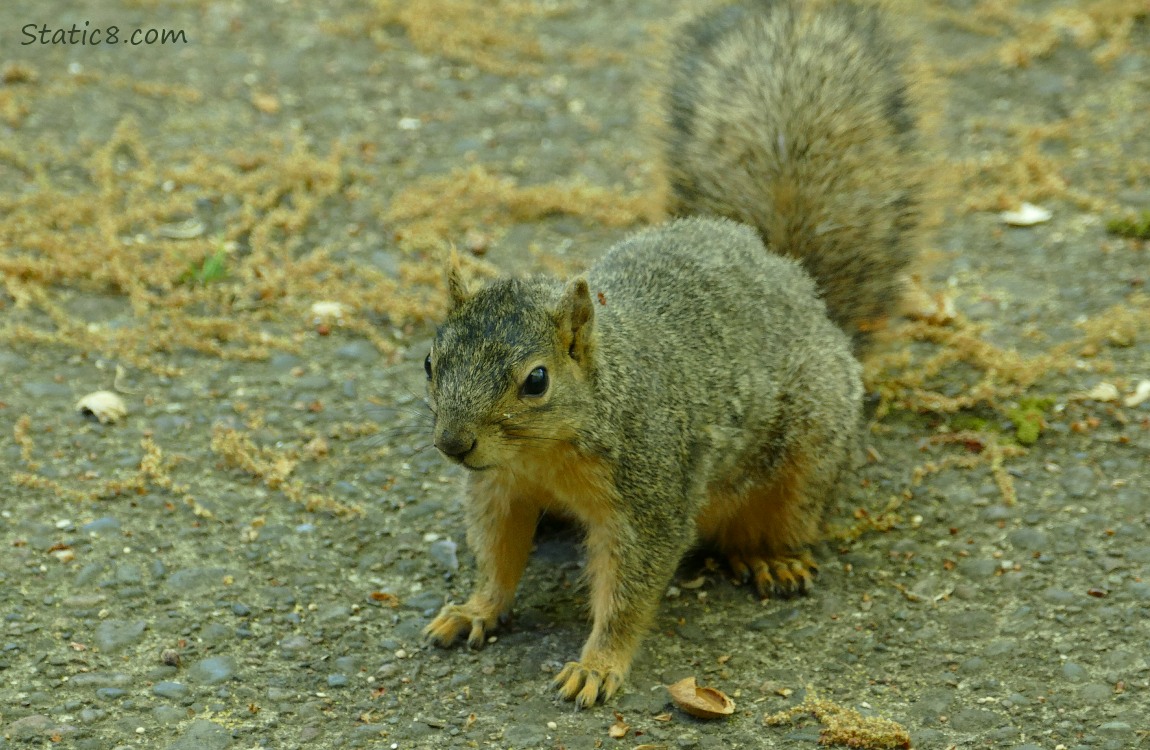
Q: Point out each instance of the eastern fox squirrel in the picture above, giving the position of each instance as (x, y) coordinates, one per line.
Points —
(693, 385)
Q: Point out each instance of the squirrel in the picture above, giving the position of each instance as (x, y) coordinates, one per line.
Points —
(700, 382)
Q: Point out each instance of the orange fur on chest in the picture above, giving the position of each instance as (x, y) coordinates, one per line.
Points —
(562, 480)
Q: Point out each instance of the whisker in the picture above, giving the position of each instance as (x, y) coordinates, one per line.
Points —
(391, 415)
(401, 366)
(376, 407)
(513, 435)
(420, 397)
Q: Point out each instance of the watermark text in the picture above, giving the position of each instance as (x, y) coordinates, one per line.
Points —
(92, 36)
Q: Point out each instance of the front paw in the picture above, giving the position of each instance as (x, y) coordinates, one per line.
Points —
(455, 619)
(589, 681)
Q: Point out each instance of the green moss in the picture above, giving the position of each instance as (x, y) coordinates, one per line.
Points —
(213, 268)
(1134, 227)
(1028, 418)
(971, 423)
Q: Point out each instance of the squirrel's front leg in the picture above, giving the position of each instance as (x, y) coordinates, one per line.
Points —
(500, 531)
(629, 569)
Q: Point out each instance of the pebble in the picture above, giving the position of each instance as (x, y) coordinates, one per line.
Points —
(1074, 672)
(358, 351)
(998, 513)
(82, 601)
(337, 680)
(283, 362)
(349, 663)
(89, 573)
(778, 619)
(976, 568)
(101, 525)
(165, 715)
(933, 703)
(927, 738)
(973, 624)
(974, 720)
(424, 601)
(202, 734)
(1095, 693)
(1139, 590)
(12, 362)
(113, 635)
(89, 715)
(1079, 481)
(213, 670)
(294, 643)
(170, 424)
(29, 727)
(195, 580)
(805, 736)
(1123, 659)
(280, 694)
(525, 736)
(313, 382)
(128, 574)
(1139, 554)
(1116, 729)
(443, 552)
(386, 262)
(1055, 595)
(162, 672)
(216, 632)
(281, 597)
(46, 389)
(171, 690)
(1028, 539)
(1000, 647)
(100, 679)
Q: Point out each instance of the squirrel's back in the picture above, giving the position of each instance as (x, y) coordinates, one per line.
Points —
(793, 119)
(696, 318)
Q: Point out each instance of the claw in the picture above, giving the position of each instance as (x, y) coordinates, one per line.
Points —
(740, 568)
(478, 636)
(764, 581)
(586, 686)
(778, 576)
(454, 620)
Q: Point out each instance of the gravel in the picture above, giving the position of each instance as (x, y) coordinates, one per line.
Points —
(114, 635)
(213, 670)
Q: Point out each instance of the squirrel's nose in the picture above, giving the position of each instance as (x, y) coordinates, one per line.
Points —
(456, 445)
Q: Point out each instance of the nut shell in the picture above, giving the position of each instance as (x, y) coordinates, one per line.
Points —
(105, 406)
(703, 702)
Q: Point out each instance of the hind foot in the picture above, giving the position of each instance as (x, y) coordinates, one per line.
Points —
(784, 576)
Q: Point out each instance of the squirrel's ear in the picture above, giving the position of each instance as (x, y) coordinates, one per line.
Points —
(456, 288)
(575, 317)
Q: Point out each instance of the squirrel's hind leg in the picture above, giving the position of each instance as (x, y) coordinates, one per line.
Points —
(782, 576)
(765, 529)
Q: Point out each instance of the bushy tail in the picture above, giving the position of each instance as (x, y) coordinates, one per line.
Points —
(793, 118)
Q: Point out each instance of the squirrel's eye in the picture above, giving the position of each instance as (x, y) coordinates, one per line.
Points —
(536, 383)
(427, 366)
